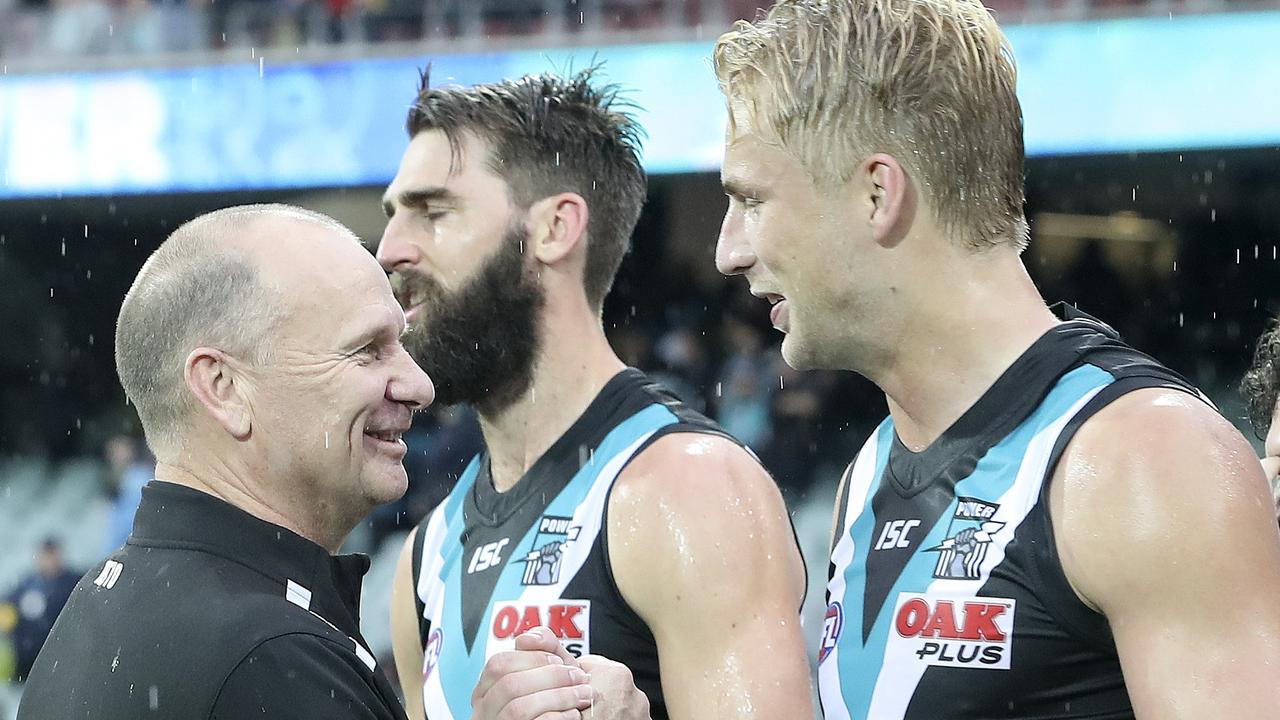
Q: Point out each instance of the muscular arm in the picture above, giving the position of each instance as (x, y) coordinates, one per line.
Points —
(1164, 524)
(406, 643)
(702, 549)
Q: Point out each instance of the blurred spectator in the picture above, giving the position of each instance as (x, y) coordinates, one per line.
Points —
(38, 599)
(796, 415)
(682, 365)
(745, 385)
(130, 468)
(79, 27)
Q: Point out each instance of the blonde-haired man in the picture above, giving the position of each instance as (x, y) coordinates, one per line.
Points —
(1049, 524)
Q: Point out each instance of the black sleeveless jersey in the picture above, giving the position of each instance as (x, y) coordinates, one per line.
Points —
(488, 565)
(946, 595)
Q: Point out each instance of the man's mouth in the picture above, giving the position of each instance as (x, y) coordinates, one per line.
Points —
(385, 435)
(772, 298)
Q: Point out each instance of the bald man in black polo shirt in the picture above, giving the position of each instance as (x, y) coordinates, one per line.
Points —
(261, 347)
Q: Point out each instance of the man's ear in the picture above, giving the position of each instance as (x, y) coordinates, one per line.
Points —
(889, 197)
(558, 225)
(212, 377)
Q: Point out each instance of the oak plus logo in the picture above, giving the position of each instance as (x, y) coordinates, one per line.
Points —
(973, 632)
(569, 620)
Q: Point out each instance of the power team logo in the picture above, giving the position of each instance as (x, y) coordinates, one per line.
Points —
(542, 563)
(960, 556)
(832, 626)
(431, 653)
(956, 632)
(569, 620)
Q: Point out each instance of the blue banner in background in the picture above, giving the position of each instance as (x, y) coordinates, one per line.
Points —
(1116, 86)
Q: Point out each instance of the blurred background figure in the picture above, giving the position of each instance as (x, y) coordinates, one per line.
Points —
(37, 600)
(130, 467)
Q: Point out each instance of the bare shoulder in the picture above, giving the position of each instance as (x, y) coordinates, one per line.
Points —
(693, 467)
(690, 512)
(1148, 474)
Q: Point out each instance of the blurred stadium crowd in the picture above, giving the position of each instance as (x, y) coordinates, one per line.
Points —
(45, 29)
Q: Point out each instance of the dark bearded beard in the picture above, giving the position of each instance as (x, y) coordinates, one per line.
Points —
(479, 343)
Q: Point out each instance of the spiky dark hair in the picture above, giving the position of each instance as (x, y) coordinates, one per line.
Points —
(548, 134)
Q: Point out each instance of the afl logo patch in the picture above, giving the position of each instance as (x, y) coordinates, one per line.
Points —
(832, 625)
(431, 653)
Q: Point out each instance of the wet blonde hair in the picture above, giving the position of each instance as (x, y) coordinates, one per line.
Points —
(930, 82)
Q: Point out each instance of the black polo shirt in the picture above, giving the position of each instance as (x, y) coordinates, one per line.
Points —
(209, 612)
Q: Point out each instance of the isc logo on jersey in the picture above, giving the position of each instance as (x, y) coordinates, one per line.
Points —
(569, 620)
(964, 632)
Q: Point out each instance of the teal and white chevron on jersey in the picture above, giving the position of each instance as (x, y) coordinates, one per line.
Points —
(490, 565)
(947, 597)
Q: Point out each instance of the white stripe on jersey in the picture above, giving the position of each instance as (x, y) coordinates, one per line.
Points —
(901, 671)
(860, 479)
(432, 596)
(587, 517)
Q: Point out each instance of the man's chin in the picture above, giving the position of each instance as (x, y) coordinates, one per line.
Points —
(387, 486)
(796, 353)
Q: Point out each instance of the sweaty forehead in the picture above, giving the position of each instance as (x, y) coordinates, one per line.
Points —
(430, 160)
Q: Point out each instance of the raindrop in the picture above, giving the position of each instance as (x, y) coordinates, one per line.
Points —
(1181, 320)
(260, 70)
(86, 231)
(1255, 252)
(717, 389)
(1237, 256)
(1213, 215)
(1175, 266)
(64, 247)
(50, 292)
(88, 274)
(90, 339)
(557, 158)
(153, 697)
(1134, 194)
(326, 440)
(253, 53)
(780, 385)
